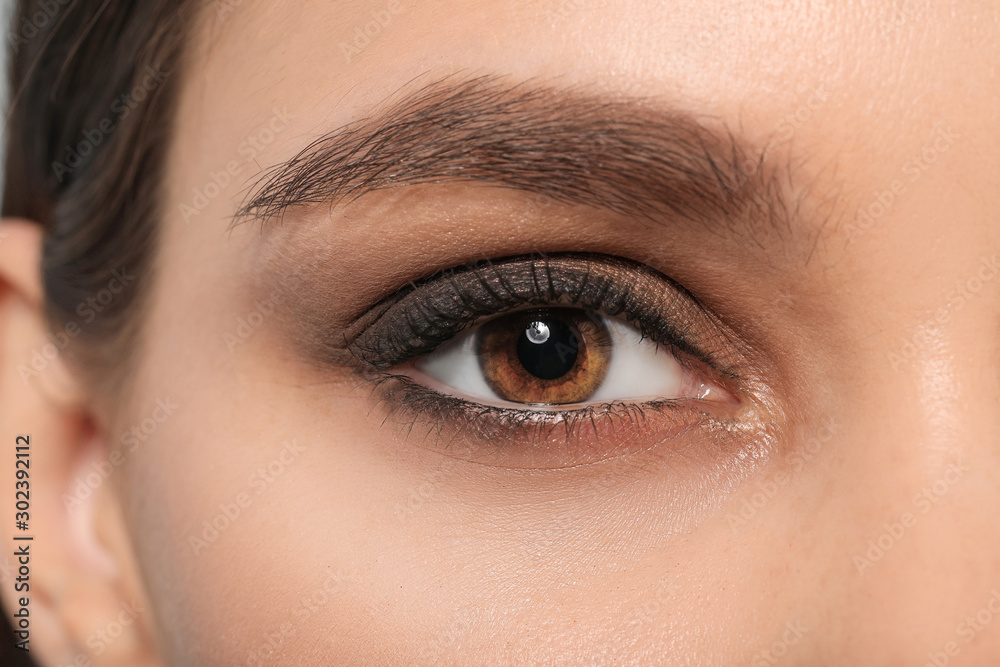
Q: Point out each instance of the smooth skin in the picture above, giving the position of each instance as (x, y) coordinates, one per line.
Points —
(867, 535)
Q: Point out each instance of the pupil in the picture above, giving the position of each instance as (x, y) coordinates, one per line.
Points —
(547, 348)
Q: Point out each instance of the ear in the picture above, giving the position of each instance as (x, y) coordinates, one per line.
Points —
(73, 593)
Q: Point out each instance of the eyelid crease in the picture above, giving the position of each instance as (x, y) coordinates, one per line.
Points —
(375, 350)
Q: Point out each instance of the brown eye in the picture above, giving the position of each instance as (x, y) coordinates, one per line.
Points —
(552, 356)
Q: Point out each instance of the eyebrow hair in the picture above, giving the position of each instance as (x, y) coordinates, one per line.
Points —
(626, 155)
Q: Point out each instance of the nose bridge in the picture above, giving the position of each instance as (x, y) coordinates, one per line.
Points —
(924, 546)
(954, 373)
(945, 386)
(934, 375)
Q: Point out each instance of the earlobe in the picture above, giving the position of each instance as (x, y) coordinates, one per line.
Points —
(81, 581)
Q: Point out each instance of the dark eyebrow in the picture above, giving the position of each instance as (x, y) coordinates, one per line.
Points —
(623, 154)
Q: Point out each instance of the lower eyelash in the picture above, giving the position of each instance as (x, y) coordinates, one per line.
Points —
(450, 418)
(418, 320)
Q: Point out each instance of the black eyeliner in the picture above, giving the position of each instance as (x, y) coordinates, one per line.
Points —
(424, 315)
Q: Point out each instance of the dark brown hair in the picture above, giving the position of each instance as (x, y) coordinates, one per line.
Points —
(93, 89)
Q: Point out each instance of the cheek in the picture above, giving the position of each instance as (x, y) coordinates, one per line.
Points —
(271, 520)
(281, 522)
(248, 518)
(277, 519)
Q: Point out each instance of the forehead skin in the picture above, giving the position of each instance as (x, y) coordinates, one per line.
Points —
(853, 92)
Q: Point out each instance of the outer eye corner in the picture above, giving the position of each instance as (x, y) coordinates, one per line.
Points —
(561, 361)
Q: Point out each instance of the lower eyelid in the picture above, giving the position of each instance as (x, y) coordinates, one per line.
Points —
(550, 438)
(694, 433)
(697, 408)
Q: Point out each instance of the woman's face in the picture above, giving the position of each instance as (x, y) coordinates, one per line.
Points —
(819, 181)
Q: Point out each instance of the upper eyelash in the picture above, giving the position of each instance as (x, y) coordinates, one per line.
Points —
(422, 316)
(481, 290)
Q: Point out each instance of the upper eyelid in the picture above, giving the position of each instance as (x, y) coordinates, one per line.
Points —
(611, 285)
(460, 278)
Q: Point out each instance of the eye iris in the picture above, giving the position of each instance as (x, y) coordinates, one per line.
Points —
(548, 350)
(552, 356)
